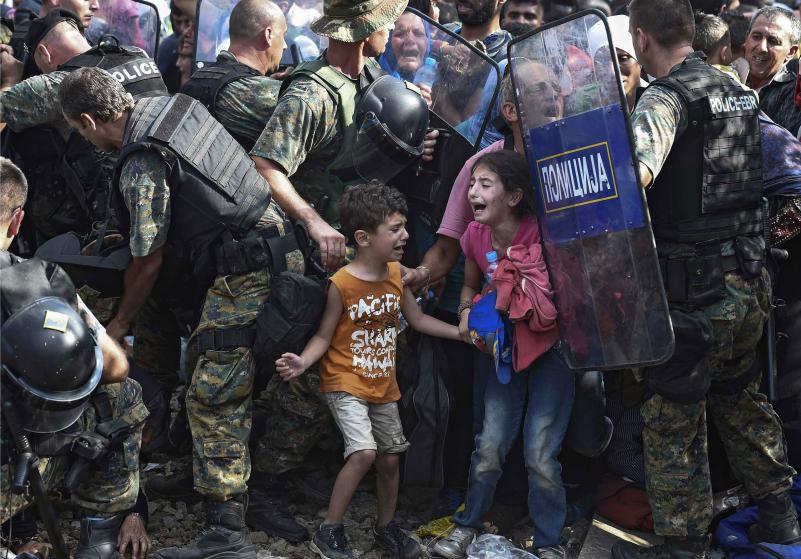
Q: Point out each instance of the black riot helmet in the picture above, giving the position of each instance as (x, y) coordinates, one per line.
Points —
(393, 120)
(51, 363)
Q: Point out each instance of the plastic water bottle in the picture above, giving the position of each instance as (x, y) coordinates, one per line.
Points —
(426, 74)
(492, 261)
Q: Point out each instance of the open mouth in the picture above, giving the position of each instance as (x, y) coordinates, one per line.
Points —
(478, 209)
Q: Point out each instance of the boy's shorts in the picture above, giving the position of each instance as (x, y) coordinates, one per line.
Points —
(367, 426)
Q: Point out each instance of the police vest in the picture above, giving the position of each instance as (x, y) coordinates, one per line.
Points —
(710, 187)
(205, 85)
(69, 179)
(344, 91)
(215, 191)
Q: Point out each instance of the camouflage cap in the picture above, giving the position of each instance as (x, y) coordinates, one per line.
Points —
(354, 20)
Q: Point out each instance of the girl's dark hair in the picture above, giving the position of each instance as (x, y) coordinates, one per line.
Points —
(512, 169)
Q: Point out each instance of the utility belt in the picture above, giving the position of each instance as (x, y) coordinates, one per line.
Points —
(291, 317)
(693, 275)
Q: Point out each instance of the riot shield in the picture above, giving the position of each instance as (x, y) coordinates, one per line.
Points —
(459, 82)
(591, 208)
(132, 22)
(302, 43)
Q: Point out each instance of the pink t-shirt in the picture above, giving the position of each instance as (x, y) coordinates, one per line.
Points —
(458, 213)
(477, 240)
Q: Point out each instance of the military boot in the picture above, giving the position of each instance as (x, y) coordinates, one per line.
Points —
(225, 536)
(673, 548)
(99, 537)
(778, 521)
(268, 513)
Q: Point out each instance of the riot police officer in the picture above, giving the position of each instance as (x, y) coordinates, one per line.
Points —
(47, 331)
(697, 140)
(236, 89)
(69, 178)
(197, 212)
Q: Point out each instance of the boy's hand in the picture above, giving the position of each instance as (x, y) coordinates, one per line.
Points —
(290, 366)
(463, 330)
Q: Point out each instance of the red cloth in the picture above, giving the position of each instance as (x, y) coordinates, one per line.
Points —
(524, 292)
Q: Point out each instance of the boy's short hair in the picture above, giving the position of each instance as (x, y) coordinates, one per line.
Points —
(711, 33)
(13, 188)
(365, 206)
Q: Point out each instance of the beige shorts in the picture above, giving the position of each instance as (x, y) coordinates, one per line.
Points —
(367, 426)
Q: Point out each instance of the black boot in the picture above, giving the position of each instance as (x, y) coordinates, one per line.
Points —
(99, 537)
(268, 513)
(673, 548)
(778, 521)
(226, 536)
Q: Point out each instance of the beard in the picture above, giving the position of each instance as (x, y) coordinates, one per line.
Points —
(481, 14)
(517, 29)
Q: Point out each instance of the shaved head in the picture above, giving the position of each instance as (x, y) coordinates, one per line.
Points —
(250, 18)
(60, 44)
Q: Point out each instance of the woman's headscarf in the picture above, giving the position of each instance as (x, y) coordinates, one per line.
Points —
(389, 62)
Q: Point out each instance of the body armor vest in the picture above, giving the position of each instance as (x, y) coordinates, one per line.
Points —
(710, 187)
(344, 91)
(206, 84)
(70, 179)
(215, 191)
(24, 281)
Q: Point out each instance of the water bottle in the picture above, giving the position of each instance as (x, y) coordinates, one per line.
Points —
(426, 74)
(492, 265)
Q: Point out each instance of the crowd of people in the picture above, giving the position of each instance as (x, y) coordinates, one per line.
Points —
(322, 229)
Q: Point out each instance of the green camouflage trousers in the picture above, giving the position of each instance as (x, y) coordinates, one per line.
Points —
(298, 421)
(112, 484)
(675, 435)
(218, 400)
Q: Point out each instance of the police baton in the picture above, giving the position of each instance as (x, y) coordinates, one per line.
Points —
(26, 473)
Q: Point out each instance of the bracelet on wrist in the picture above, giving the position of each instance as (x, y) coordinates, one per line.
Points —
(464, 305)
(428, 275)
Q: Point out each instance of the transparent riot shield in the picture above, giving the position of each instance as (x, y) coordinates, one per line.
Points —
(591, 208)
(302, 43)
(459, 82)
(132, 22)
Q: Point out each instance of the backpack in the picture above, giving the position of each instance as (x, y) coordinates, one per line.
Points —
(290, 317)
(732, 534)
(424, 409)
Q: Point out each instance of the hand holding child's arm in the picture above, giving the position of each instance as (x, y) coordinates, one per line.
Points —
(471, 286)
(424, 323)
(289, 365)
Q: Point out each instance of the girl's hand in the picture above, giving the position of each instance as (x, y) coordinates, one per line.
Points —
(290, 366)
(463, 331)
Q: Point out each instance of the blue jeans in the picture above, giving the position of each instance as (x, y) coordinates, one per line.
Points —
(544, 393)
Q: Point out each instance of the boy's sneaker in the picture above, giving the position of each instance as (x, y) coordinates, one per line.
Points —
(329, 542)
(551, 552)
(395, 541)
(455, 546)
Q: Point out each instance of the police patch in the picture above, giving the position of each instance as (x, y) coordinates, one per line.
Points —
(135, 71)
(727, 104)
(56, 321)
(577, 177)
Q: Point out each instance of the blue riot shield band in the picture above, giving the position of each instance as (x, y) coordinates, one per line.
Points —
(591, 208)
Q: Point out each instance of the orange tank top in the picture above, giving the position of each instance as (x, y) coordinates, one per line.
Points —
(361, 357)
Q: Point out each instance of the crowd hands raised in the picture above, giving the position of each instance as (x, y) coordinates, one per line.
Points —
(233, 208)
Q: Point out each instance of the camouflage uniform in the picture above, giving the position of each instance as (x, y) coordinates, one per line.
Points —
(246, 105)
(303, 136)
(675, 435)
(219, 395)
(111, 485)
(32, 102)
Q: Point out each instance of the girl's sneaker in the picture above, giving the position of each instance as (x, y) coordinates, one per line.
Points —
(395, 541)
(329, 542)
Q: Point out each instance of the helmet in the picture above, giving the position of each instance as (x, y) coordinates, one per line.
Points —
(51, 363)
(100, 265)
(392, 121)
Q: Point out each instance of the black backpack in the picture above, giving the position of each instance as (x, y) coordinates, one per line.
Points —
(289, 319)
